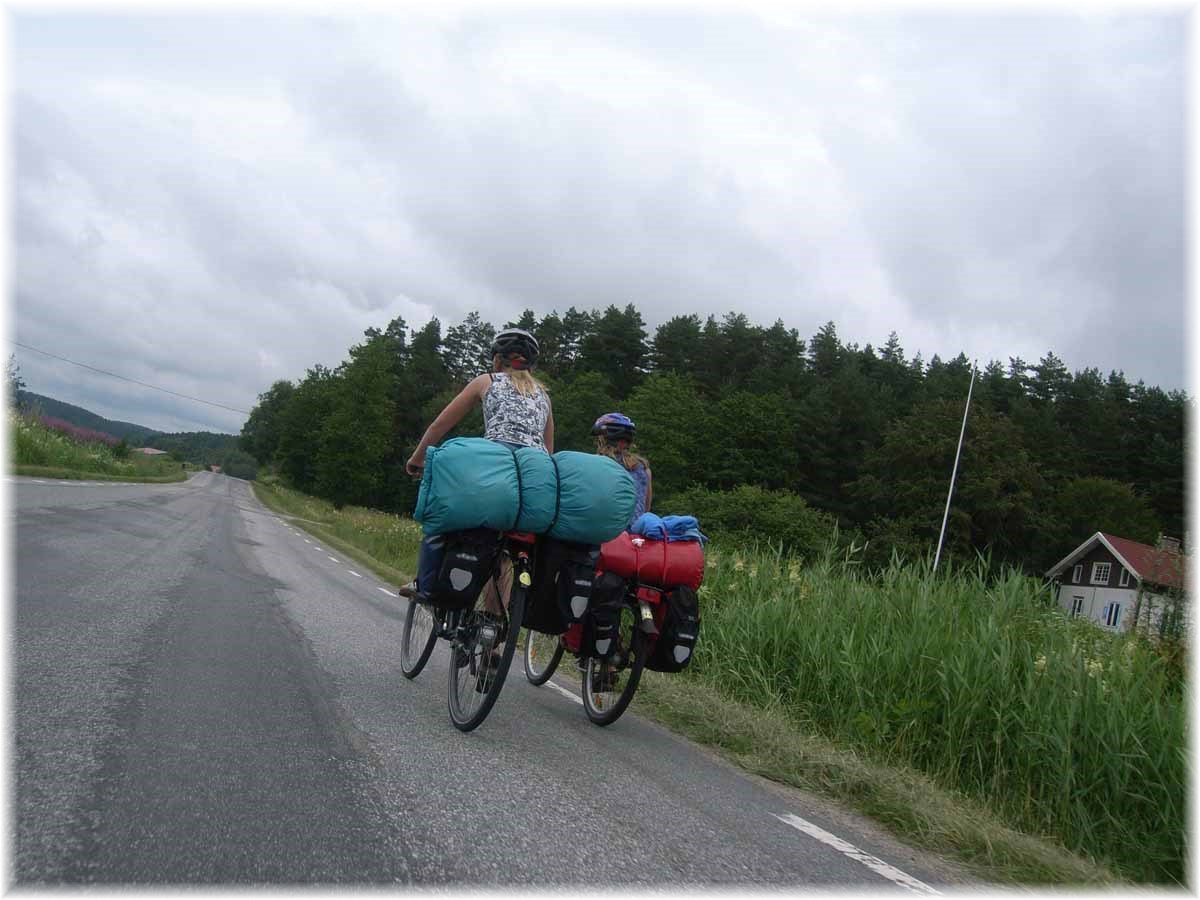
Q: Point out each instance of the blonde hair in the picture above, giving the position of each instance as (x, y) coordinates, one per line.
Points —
(522, 379)
(627, 457)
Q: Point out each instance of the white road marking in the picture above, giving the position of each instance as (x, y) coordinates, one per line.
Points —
(332, 558)
(562, 690)
(385, 590)
(65, 482)
(38, 481)
(355, 574)
(871, 862)
(307, 541)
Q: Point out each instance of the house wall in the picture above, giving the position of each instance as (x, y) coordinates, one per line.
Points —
(1096, 601)
(1099, 553)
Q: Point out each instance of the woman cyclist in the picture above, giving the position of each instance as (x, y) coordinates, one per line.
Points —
(614, 439)
(516, 413)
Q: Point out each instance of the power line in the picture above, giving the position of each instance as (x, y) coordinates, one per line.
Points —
(133, 380)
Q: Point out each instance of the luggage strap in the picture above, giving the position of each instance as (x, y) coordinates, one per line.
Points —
(557, 494)
(517, 466)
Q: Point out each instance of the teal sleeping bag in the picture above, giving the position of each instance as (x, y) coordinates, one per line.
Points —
(477, 483)
(596, 497)
(467, 483)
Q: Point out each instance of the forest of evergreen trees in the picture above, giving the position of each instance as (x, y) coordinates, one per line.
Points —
(862, 435)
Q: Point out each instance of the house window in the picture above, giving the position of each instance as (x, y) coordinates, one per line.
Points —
(1112, 615)
(1077, 605)
(1124, 579)
(1100, 572)
(1077, 574)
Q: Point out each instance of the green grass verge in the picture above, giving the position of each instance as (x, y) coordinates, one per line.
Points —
(909, 804)
(78, 475)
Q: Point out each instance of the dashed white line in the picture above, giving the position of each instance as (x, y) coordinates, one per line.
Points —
(385, 590)
(307, 541)
(332, 558)
(887, 870)
(562, 690)
(355, 574)
(38, 481)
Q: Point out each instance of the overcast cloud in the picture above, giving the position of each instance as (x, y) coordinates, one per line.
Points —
(211, 203)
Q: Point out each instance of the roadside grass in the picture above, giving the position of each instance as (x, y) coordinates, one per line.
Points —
(43, 452)
(911, 805)
(77, 475)
(974, 678)
(964, 711)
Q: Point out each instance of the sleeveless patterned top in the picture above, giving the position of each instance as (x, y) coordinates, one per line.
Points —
(508, 415)
(641, 481)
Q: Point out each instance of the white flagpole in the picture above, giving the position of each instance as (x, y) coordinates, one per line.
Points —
(954, 473)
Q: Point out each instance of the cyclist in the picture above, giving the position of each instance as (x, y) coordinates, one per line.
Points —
(516, 413)
(614, 439)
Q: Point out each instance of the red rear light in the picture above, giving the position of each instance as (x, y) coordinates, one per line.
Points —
(649, 594)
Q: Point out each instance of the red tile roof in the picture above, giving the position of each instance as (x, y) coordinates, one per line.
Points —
(1150, 564)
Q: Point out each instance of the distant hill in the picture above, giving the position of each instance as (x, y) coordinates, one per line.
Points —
(202, 447)
(135, 435)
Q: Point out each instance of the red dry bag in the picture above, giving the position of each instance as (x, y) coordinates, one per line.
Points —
(661, 563)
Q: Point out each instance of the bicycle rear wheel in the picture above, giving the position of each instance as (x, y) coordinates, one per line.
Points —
(480, 653)
(420, 634)
(609, 684)
(542, 655)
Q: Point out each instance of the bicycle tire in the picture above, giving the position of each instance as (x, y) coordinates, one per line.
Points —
(411, 663)
(608, 711)
(540, 676)
(464, 716)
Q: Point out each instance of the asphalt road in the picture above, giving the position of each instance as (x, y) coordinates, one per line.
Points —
(205, 695)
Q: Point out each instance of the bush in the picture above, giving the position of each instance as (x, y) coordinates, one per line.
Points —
(752, 513)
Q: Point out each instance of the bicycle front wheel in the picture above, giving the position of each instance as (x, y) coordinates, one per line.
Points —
(480, 653)
(542, 655)
(420, 634)
(609, 684)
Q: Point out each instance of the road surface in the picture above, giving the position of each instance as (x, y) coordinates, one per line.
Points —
(206, 695)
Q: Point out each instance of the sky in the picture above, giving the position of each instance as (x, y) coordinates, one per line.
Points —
(213, 201)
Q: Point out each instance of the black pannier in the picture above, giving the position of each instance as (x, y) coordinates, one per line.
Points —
(562, 585)
(604, 616)
(681, 626)
(466, 566)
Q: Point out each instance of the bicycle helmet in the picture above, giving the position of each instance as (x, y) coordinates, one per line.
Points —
(517, 346)
(614, 426)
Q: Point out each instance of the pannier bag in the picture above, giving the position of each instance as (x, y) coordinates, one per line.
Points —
(678, 633)
(574, 579)
(562, 585)
(477, 483)
(660, 563)
(604, 616)
(466, 567)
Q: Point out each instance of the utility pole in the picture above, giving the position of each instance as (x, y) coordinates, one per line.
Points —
(954, 472)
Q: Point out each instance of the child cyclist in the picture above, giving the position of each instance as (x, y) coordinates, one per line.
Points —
(516, 413)
(614, 439)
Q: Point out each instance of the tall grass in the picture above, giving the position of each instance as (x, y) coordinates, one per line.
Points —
(972, 677)
(37, 444)
(52, 451)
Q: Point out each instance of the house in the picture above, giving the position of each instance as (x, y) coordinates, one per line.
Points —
(150, 451)
(1101, 579)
